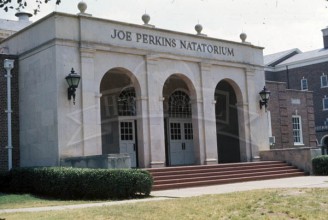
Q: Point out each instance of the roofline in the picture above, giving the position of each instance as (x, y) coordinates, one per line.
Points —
(128, 24)
(301, 63)
(291, 51)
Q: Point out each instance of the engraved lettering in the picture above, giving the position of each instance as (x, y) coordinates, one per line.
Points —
(172, 42)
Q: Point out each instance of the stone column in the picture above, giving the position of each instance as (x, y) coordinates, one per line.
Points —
(252, 151)
(198, 130)
(90, 104)
(207, 117)
(155, 114)
(244, 131)
(143, 132)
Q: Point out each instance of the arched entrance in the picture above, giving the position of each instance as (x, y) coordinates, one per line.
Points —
(324, 144)
(227, 128)
(179, 137)
(118, 114)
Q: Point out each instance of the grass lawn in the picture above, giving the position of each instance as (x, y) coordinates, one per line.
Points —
(256, 204)
(27, 201)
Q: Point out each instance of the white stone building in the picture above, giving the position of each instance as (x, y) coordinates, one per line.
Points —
(9, 27)
(166, 98)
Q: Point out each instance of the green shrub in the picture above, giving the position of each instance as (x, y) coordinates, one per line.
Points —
(78, 183)
(4, 181)
(320, 165)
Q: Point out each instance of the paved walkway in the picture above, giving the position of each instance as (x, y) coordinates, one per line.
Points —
(295, 182)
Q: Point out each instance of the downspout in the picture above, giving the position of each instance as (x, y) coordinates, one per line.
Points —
(287, 74)
(9, 65)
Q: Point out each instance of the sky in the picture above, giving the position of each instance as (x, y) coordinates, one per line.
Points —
(276, 25)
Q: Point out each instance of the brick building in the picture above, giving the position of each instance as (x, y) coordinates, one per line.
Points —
(3, 113)
(305, 71)
(292, 116)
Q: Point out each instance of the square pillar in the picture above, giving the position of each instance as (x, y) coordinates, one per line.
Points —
(155, 115)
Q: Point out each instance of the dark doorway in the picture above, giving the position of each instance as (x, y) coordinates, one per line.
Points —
(227, 128)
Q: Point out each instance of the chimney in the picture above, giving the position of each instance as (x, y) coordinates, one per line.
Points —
(23, 16)
(325, 37)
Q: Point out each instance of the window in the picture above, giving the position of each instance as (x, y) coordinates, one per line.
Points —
(127, 102)
(126, 131)
(188, 132)
(325, 103)
(304, 84)
(297, 130)
(324, 81)
(175, 131)
(179, 105)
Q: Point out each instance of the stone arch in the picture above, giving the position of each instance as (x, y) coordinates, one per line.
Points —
(229, 119)
(133, 81)
(118, 123)
(180, 131)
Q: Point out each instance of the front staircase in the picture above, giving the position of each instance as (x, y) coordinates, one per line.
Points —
(192, 176)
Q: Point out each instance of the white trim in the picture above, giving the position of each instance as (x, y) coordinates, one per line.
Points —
(301, 63)
(323, 103)
(307, 85)
(283, 55)
(300, 131)
(321, 77)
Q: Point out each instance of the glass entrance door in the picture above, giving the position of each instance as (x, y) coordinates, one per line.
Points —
(181, 148)
(128, 140)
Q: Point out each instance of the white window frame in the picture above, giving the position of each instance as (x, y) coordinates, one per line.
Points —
(297, 130)
(325, 107)
(326, 81)
(302, 85)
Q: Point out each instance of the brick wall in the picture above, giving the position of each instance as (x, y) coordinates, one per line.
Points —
(312, 73)
(3, 114)
(282, 109)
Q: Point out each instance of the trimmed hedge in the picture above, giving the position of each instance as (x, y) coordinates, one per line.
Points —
(78, 183)
(320, 165)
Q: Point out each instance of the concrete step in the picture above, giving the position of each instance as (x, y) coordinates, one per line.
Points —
(223, 181)
(223, 173)
(205, 167)
(191, 176)
(218, 169)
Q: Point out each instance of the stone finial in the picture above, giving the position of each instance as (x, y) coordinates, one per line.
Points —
(198, 28)
(145, 18)
(243, 37)
(82, 6)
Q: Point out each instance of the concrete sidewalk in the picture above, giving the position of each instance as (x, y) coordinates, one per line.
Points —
(294, 182)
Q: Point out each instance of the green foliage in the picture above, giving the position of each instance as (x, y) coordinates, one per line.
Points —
(78, 183)
(19, 5)
(320, 165)
(4, 180)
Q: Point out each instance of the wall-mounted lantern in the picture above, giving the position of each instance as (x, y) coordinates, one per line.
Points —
(265, 95)
(73, 80)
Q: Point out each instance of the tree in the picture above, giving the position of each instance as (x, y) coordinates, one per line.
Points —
(7, 5)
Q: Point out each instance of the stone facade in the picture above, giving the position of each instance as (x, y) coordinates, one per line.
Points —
(136, 81)
(300, 157)
(284, 103)
(3, 114)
